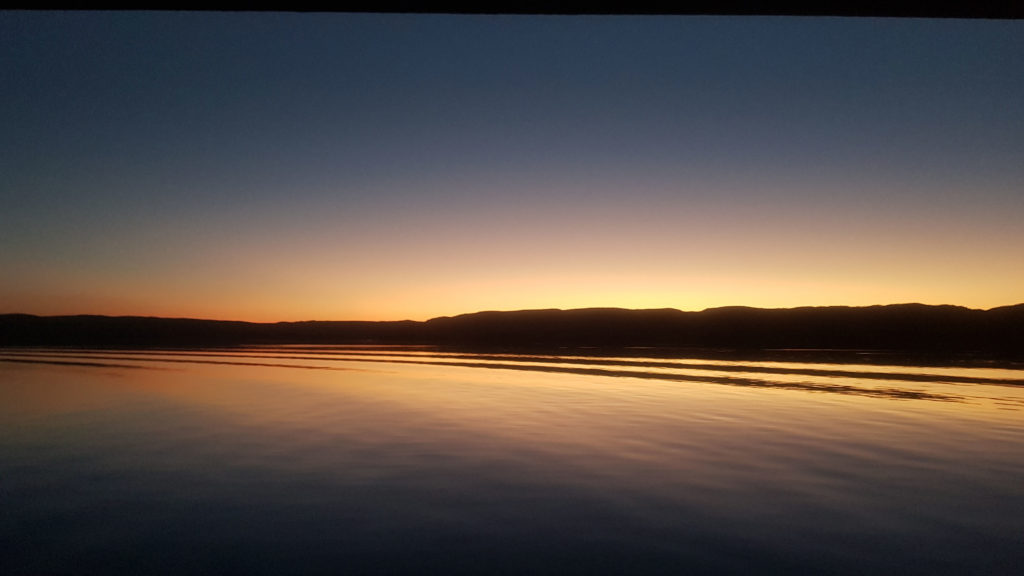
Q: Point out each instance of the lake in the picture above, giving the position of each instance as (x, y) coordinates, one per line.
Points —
(419, 460)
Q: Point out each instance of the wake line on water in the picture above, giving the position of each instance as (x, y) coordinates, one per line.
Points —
(540, 361)
(183, 361)
(563, 366)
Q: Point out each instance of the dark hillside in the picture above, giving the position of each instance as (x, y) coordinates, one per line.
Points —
(900, 327)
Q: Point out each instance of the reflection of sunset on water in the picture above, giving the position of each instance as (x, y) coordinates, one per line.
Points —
(273, 450)
(542, 378)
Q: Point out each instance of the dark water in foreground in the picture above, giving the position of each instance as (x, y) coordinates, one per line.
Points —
(409, 461)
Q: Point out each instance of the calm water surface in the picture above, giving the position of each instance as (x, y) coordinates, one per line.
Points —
(359, 460)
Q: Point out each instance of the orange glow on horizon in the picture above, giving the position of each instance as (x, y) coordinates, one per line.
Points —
(661, 253)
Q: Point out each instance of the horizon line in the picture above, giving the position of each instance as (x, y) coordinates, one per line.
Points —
(510, 311)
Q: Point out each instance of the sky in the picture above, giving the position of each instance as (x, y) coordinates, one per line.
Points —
(286, 166)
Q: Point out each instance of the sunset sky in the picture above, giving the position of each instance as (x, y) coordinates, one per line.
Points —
(265, 167)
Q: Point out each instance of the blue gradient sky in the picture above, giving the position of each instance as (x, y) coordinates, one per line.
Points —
(331, 166)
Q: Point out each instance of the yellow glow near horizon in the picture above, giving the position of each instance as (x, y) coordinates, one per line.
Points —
(661, 253)
(453, 296)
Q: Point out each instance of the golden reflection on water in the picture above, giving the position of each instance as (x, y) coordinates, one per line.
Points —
(615, 411)
(510, 449)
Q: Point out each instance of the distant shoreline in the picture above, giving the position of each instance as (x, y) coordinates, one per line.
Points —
(898, 327)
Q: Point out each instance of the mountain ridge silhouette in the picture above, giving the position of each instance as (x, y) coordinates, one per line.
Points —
(898, 327)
